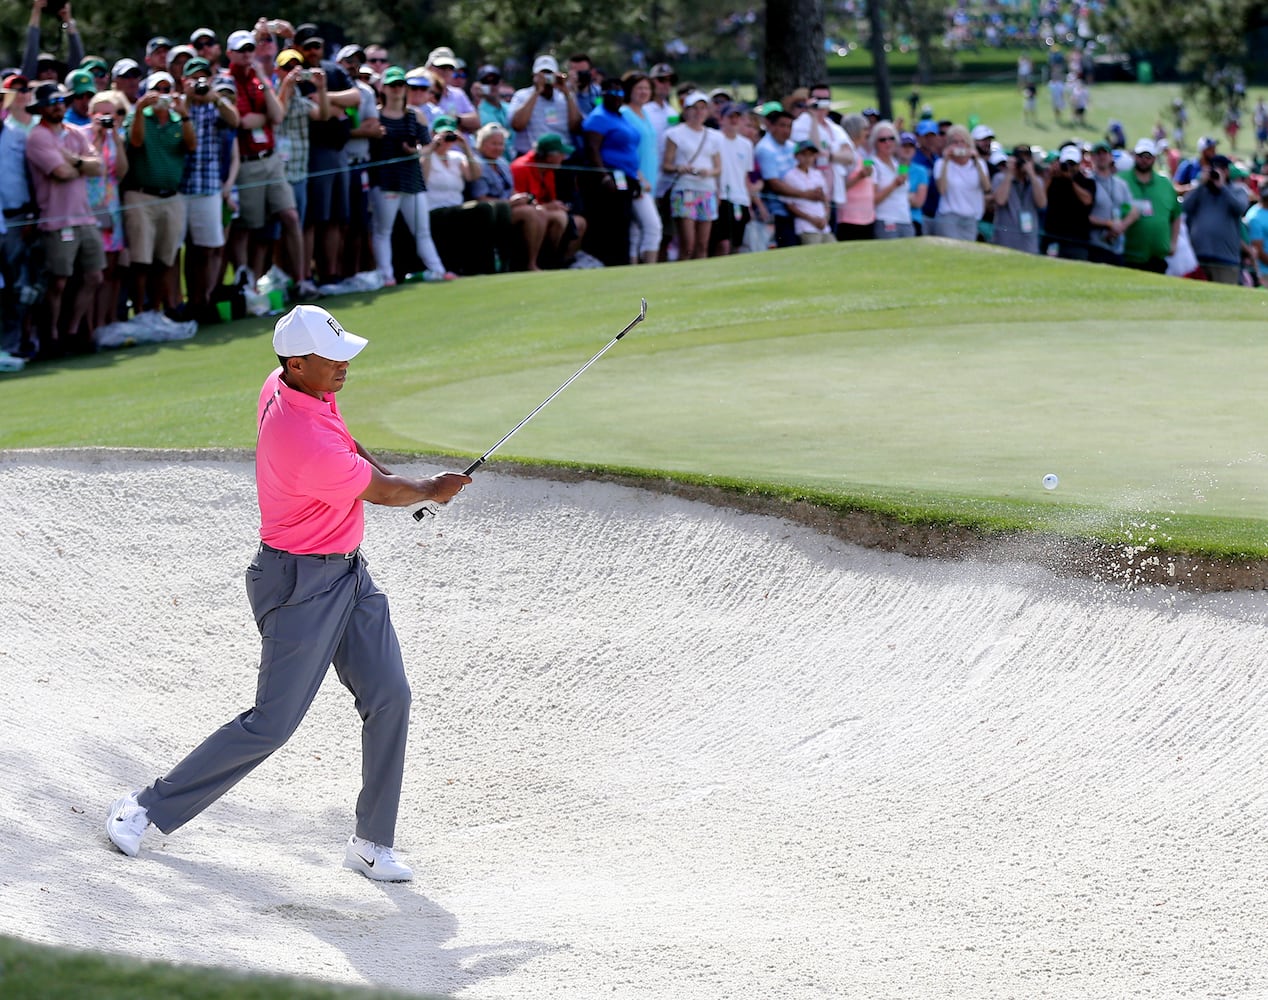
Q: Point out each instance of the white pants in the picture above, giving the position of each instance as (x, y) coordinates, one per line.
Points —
(417, 213)
(645, 227)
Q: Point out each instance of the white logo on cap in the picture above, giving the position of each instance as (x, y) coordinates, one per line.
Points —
(334, 326)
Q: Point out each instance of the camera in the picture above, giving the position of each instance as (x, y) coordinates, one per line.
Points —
(306, 75)
(164, 101)
(449, 137)
(106, 121)
(584, 78)
(821, 102)
(202, 88)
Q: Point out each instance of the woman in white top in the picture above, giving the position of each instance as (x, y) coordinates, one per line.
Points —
(465, 231)
(693, 161)
(889, 192)
(963, 184)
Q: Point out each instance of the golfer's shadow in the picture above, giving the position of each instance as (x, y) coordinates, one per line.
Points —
(403, 949)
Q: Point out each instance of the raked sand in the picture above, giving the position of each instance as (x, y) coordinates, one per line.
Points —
(659, 749)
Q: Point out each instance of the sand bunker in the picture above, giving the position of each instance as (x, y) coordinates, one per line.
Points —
(658, 749)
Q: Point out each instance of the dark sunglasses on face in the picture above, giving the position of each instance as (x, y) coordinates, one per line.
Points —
(204, 43)
(378, 59)
(248, 48)
(55, 102)
(99, 73)
(313, 45)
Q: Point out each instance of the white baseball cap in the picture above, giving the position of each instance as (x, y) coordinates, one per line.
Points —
(312, 330)
(154, 79)
(982, 132)
(545, 64)
(1071, 154)
(240, 38)
(695, 97)
(1145, 146)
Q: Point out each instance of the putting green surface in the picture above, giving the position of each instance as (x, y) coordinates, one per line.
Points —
(921, 378)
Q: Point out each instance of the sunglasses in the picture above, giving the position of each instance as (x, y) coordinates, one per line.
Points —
(99, 73)
(204, 43)
(248, 48)
(54, 102)
(314, 45)
(378, 59)
(885, 138)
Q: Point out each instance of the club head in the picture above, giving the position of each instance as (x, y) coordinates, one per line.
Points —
(642, 313)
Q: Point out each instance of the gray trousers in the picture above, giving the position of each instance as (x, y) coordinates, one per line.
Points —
(312, 611)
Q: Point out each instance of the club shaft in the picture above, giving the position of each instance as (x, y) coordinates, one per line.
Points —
(418, 515)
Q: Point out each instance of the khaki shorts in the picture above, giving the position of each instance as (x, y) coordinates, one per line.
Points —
(71, 246)
(155, 227)
(263, 191)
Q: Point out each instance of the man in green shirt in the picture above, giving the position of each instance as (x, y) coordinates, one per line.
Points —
(160, 133)
(1152, 237)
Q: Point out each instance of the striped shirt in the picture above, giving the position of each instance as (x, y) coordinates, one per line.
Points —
(202, 166)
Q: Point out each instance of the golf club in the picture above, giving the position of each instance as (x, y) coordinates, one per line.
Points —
(431, 507)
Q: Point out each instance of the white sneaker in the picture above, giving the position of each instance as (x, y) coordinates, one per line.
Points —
(307, 290)
(375, 861)
(126, 824)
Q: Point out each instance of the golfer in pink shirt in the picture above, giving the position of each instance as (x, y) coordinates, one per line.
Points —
(313, 601)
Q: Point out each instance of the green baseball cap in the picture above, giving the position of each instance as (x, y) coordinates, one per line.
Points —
(770, 107)
(196, 65)
(553, 142)
(91, 63)
(79, 81)
(445, 123)
(393, 74)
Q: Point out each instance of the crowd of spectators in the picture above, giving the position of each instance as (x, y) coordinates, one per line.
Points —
(151, 195)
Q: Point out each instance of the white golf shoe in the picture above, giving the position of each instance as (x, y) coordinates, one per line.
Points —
(375, 861)
(126, 824)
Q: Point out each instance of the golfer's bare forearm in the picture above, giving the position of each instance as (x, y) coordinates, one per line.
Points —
(400, 491)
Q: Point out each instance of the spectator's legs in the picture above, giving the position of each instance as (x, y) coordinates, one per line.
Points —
(12, 257)
(385, 205)
(531, 222)
(417, 215)
(106, 301)
(293, 239)
(56, 289)
(81, 309)
(666, 226)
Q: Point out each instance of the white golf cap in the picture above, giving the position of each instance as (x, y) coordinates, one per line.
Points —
(982, 132)
(1071, 154)
(695, 97)
(154, 79)
(198, 33)
(1145, 146)
(545, 64)
(239, 39)
(312, 330)
(124, 66)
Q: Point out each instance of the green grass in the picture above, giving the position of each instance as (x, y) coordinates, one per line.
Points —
(928, 381)
(36, 972)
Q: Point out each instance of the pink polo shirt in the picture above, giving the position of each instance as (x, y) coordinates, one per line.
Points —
(308, 474)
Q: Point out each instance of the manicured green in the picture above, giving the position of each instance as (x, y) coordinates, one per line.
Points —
(929, 380)
(36, 972)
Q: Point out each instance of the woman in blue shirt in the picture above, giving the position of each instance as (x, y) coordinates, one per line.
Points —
(646, 228)
(612, 144)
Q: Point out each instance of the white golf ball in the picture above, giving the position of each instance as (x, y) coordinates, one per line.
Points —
(1050, 481)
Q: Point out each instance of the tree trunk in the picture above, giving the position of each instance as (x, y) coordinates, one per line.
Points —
(880, 62)
(794, 54)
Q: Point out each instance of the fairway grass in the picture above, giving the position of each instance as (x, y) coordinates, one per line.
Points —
(927, 381)
(37, 972)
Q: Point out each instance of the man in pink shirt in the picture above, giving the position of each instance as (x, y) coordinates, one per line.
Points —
(60, 157)
(313, 601)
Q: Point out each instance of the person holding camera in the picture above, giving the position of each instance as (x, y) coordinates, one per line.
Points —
(398, 184)
(160, 134)
(202, 183)
(612, 146)
(548, 106)
(1019, 198)
(106, 203)
(1213, 211)
(1070, 195)
(963, 183)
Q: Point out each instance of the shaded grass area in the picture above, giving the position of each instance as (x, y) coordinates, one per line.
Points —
(926, 381)
(36, 972)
